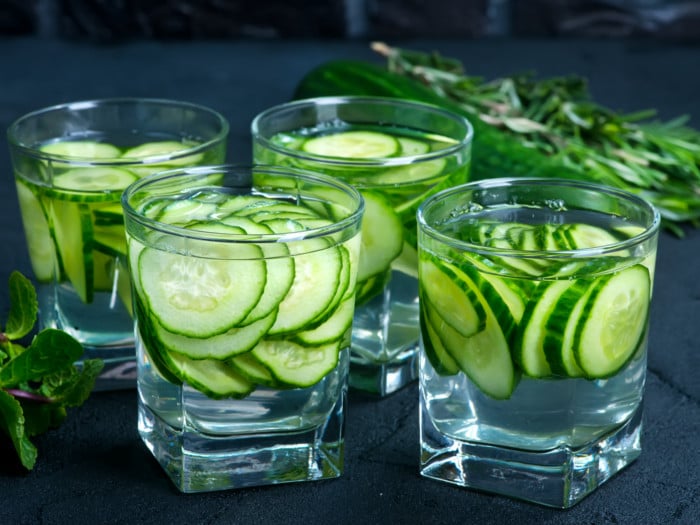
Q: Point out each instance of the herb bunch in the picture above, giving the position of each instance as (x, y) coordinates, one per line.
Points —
(659, 161)
(37, 383)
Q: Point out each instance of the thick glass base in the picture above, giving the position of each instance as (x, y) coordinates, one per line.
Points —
(383, 379)
(197, 462)
(385, 339)
(559, 477)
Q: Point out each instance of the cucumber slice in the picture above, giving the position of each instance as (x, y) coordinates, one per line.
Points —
(215, 379)
(104, 267)
(484, 357)
(72, 224)
(411, 147)
(411, 173)
(253, 370)
(581, 235)
(452, 298)
(435, 351)
(279, 266)
(200, 297)
(108, 214)
(235, 341)
(353, 145)
(40, 245)
(560, 328)
(85, 149)
(110, 240)
(615, 321)
(295, 364)
(182, 211)
(93, 179)
(382, 236)
(528, 348)
(333, 329)
(165, 148)
(317, 273)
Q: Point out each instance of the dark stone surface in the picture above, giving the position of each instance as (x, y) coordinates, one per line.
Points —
(95, 470)
(662, 19)
(110, 21)
(426, 18)
(17, 17)
(106, 20)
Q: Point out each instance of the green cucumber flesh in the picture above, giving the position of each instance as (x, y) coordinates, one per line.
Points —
(40, 244)
(202, 297)
(297, 365)
(382, 236)
(253, 370)
(215, 379)
(528, 348)
(102, 178)
(73, 231)
(453, 299)
(317, 273)
(84, 149)
(615, 322)
(434, 349)
(354, 144)
(233, 342)
(483, 357)
(334, 328)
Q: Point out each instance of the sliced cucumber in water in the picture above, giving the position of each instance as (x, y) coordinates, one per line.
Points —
(72, 223)
(233, 342)
(42, 253)
(199, 297)
(216, 379)
(85, 149)
(297, 365)
(353, 145)
(616, 318)
(382, 236)
(452, 298)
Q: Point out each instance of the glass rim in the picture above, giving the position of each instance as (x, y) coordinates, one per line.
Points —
(650, 230)
(465, 141)
(91, 103)
(262, 238)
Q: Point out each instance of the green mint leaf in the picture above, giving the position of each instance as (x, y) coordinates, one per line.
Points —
(72, 387)
(23, 307)
(51, 350)
(12, 422)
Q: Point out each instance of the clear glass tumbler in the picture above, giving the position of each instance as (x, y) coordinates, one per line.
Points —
(71, 163)
(534, 299)
(244, 280)
(396, 152)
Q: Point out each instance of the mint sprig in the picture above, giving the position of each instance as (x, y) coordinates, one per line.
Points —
(38, 382)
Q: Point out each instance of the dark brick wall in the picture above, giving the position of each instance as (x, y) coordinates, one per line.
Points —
(111, 20)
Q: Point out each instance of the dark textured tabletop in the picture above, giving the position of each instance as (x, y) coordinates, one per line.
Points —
(94, 468)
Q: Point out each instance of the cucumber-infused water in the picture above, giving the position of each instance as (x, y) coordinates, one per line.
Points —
(244, 282)
(71, 164)
(396, 153)
(534, 319)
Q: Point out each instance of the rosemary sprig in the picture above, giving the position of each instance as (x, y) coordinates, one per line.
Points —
(659, 161)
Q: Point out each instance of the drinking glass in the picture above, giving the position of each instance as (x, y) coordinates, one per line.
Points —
(244, 280)
(396, 152)
(535, 298)
(71, 163)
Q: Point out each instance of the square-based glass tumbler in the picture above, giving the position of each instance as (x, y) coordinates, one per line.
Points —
(535, 298)
(396, 152)
(244, 280)
(71, 163)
